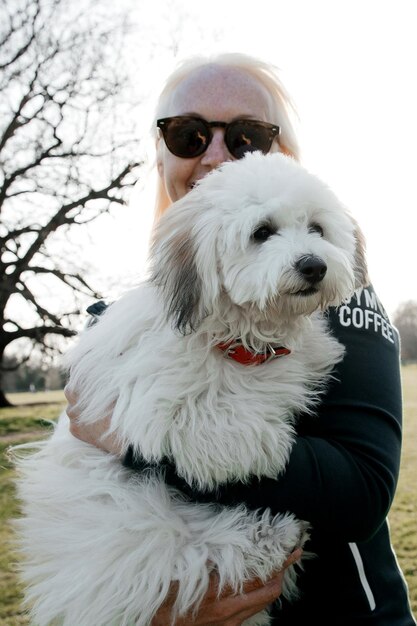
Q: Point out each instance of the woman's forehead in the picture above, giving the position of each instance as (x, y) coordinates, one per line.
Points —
(220, 91)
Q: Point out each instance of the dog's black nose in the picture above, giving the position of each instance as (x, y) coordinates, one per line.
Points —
(312, 268)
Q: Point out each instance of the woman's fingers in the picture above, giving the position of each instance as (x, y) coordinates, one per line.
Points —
(72, 399)
(293, 558)
(96, 433)
(228, 609)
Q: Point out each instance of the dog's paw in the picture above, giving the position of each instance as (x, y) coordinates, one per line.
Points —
(279, 534)
(273, 539)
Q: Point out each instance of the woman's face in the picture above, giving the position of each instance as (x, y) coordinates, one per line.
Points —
(213, 93)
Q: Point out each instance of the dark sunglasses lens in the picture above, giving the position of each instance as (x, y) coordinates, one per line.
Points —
(186, 138)
(243, 137)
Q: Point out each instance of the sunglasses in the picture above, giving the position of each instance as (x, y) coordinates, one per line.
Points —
(188, 137)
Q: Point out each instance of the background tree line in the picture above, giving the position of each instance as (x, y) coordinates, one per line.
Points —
(405, 319)
(33, 376)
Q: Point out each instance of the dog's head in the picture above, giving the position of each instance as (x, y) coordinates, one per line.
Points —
(260, 234)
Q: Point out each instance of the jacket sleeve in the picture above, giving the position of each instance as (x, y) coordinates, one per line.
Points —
(343, 468)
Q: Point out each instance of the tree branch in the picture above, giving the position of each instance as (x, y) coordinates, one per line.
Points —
(37, 333)
(16, 365)
(61, 216)
(41, 311)
(26, 45)
(66, 277)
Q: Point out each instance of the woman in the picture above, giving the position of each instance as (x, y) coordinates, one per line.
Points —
(344, 466)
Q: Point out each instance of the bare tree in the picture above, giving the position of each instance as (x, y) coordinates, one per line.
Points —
(66, 156)
(405, 319)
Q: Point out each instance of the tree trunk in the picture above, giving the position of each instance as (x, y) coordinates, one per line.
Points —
(3, 400)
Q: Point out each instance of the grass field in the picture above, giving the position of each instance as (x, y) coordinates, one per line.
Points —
(30, 418)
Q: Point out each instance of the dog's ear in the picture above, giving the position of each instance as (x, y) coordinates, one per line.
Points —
(174, 269)
(361, 266)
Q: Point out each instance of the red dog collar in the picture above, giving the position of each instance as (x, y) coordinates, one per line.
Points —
(242, 355)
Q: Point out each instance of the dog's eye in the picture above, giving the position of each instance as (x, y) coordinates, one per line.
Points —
(263, 232)
(316, 228)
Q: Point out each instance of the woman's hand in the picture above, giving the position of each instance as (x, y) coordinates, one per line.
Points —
(228, 609)
(95, 434)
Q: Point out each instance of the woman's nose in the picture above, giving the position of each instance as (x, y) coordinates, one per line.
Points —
(217, 152)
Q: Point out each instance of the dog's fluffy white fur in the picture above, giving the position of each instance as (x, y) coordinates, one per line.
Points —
(101, 545)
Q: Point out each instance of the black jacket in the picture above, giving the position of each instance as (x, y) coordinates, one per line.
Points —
(341, 477)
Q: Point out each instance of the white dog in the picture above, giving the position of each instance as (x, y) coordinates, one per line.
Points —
(188, 363)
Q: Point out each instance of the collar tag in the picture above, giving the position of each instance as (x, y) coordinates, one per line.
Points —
(242, 355)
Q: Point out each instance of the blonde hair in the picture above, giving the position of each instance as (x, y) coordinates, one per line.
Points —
(281, 107)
